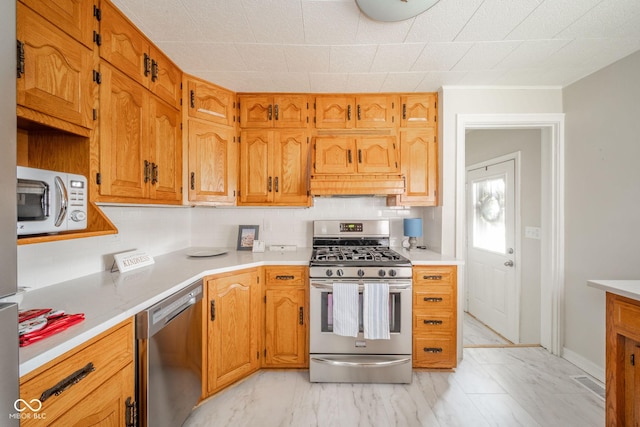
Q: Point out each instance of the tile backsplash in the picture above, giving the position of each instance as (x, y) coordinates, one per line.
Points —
(159, 230)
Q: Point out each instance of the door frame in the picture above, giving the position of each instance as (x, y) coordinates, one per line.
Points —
(517, 243)
(552, 219)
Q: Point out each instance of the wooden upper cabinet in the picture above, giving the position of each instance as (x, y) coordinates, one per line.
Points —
(419, 110)
(273, 111)
(140, 143)
(347, 155)
(165, 152)
(56, 77)
(363, 111)
(74, 17)
(123, 46)
(273, 167)
(166, 78)
(210, 102)
(213, 163)
(126, 48)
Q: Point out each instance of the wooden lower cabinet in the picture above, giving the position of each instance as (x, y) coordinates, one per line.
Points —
(286, 317)
(90, 385)
(233, 326)
(623, 361)
(434, 317)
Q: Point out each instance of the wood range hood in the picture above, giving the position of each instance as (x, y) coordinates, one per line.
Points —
(357, 185)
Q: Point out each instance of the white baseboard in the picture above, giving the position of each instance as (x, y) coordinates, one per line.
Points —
(586, 365)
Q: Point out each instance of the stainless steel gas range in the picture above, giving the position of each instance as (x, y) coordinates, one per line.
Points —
(356, 255)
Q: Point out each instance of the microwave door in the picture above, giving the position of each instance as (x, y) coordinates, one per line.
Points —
(62, 200)
(33, 200)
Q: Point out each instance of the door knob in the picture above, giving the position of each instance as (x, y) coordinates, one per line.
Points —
(508, 263)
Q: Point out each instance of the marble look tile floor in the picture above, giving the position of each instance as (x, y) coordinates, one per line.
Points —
(477, 333)
(490, 387)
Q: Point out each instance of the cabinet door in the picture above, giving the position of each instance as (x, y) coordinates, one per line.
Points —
(290, 111)
(631, 382)
(166, 78)
(419, 110)
(123, 46)
(375, 111)
(419, 165)
(291, 174)
(334, 112)
(377, 154)
(210, 103)
(256, 111)
(256, 178)
(233, 328)
(213, 163)
(106, 406)
(165, 151)
(75, 17)
(286, 339)
(334, 155)
(57, 77)
(124, 138)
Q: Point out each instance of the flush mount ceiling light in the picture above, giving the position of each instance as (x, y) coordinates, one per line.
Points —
(394, 10)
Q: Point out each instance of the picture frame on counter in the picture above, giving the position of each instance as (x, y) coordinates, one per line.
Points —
(246, 235)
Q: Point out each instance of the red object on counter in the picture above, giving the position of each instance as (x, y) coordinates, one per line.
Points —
(53, 326)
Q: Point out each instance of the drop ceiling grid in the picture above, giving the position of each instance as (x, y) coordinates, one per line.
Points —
(329, 46)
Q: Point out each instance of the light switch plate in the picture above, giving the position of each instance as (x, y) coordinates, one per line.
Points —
(283, 248)
(532, 233)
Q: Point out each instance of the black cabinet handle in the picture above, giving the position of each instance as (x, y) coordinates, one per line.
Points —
(285, 277)
(359, 156)
(147, 173)
(154, 70)
(433, 299)
(270, 112)
(276, 184)
(432, 349)
(404, 111)
(276, 108)
(213, 310)
(154, 173)
(432, 277)
(193, 180)
(20, 64)
(63, 385)
(359, 117)
(269, 185)
(349, 112)
(432, 322)
(349, 156)
(147, 65)
(301, 316)
(192, 97)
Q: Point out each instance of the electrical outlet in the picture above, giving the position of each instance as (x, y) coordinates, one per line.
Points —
(532, 233)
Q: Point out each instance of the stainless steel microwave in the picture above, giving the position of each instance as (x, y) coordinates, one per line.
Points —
(50, 202)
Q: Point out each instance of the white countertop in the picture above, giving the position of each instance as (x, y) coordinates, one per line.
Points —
(107, 299)
(625, 288)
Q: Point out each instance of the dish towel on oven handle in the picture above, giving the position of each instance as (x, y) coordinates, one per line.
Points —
(345, 309)
(375, 311)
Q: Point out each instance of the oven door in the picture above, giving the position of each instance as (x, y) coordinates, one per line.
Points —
(323, 340)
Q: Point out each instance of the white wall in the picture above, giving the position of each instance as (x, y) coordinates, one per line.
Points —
(477, 100)
(159, 230)
(602, 208)
(486, 144)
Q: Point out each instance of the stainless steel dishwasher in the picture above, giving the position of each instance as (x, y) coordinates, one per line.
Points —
(169, 341)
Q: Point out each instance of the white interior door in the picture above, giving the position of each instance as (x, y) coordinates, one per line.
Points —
(491, 270)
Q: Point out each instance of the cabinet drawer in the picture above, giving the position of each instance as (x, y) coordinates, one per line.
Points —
(433, 300)
(436, 276)
(62, 383)
(434, 352)
(425, 322)
(286, 276)
(626, 316)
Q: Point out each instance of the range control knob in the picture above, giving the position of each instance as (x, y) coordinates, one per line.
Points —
(360, 272)
(329, 273)
(382, 273)
(393, 273)
(340, 272)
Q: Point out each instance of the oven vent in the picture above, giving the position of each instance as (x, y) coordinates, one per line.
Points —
(590, 384)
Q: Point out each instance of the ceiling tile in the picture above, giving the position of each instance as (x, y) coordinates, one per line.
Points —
(352, 58)
(485, 55)
(435, 80)
(443, 21)
(370, 31)
(330, 22)
(263, 57)
(495, 19)
(328, 82)
(219, 21)
(166, 20)
(273, 21)
(307, 58)
(396, 57)
(365, 82)
(532, 54)
(291, 82)
(604, 20)
(402, 82)
(441, 56)
(208, 58)
(551, 18)
(481, 78)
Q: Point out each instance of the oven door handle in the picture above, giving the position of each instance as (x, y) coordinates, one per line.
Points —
(392, 286)
(361, 364)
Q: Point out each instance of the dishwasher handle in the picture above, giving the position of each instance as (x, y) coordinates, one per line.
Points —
(169, 318)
